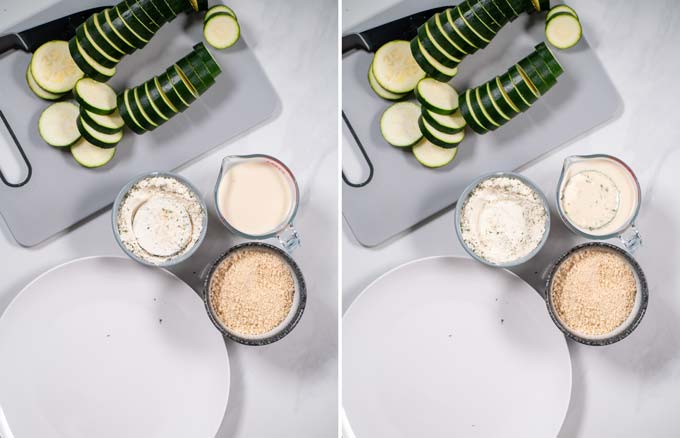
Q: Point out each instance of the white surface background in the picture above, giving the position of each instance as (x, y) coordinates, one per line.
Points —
(288, 389)
(630, 389)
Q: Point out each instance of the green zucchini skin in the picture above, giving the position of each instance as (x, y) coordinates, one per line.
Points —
(90, 121)
(179, 87)
(539, 64)
(489, 21)
(496, 11)
(425, 65)
(106, 28)
(432, 138)
(83, 65)
(521, 85)
(131, 20)
(209, 61)
(179, 6)
(120, 26)
(464, 29)
(153, 12)
(479, 26)
(479, 112)
(201, 70)
(534, 75)
(103, 41)
(90, 138)
(445, 129)
(467, 116)
(497, 96)
(550, 59)
(438, 35)
(448, 27)
(164, 8)
(485, 102)
(155, 95)
(196, 77)
(125, 114)
(142, 16)
(513, 93)
(433, 50)
(91, 50)
(166, 86)
(145, 105)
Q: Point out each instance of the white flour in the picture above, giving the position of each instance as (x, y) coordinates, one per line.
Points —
(160, 219)
(503, 220)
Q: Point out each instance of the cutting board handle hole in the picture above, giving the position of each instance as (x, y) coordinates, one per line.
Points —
(15, 169)
(357, 168)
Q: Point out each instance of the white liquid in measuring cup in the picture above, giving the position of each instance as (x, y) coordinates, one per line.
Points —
(598, 196)
(255, 197)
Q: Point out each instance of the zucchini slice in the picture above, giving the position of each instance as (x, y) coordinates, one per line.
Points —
(88, 65)
(142, 16)
(475, 24)
(94, 51)
(153, 12)
(88, 155)
(147, 106)
(512, 92)
(117, 31)
(197, 77)
(496, 11)
(221, 30)
(201, 70)
(380, 91)
(478, 109)
(178, 6)
(94, 96)
(485, 17)
(472, 120)
(439, 138)
(395, 69)
(57, 124)
(102, 39)
(535, 79)
(550, 59)
(109, 124)
(560, 8)
(166, 13)
(209, 60)
(437, 51)
(450, 124)
(434, 68)
(98, 138)
(124, 28)
(488, 110)
(132, 22)
(504, 111)
(543, 70)
(442, 38)
(433, 156)
(219, 8)
(438, 97)
(502, 98)
(139, 112)
(527, 80)
(399, 124)
(563, 30)
(504, 5)
(168, 93)
(159, 105)
(35, 88)
(53, 67)
(180, 86)
(453, 26)
(126, 114)
(199, 5)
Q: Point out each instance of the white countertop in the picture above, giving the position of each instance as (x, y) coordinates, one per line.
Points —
(630, 389)
(288, 389)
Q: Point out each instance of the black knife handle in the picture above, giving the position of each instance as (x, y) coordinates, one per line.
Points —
(10, 42)
(353, 41)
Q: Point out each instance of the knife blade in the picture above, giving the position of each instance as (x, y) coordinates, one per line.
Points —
(402, 29)
(60, 29)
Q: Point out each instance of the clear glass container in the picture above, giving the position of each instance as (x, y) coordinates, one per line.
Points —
(285, 232)
(628, 233)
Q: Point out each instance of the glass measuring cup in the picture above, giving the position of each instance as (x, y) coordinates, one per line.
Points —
(627, 232)
(284, 231)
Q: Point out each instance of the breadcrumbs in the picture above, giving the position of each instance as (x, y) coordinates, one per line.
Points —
(252, 291)
(593, 291)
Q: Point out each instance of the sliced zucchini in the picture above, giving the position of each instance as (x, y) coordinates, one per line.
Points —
(197, 77)
(140, 113)
(433, 67)
(123, 29)
(98, 138)
(178, 6)
(201, 69)
(550, 59)
(543, 70)
(106, 28)
(39, 91)
(88, 65)
(53, 67)
(499, 110)
(380, 91)
(93, 50)
(481, 112)
(109, 124)
(455, 17)
(439, 138)
(180, 86)
(57, 124)
(476, 25)
(168, 94)
(461, 37)
(527, 80)
(153, 12)
(433, 156)
(126, 114)
(437, 51)
(219, 8)
(502, 98)
(163, 7)
(488, 110)
(496, 11)
(558, 9)
(504, 5)
(221, 30)
(159, 105)
(563, 30)
(399, 124)
(141, 15)
(103, 40)
(199, 5)
(88, 155)
(507, 85)
(531, 72)
(395, 69)
(473, 120)
(145, 103)
(207, 58)
(436, 96)
(541, 5)
(443, 39)
(450, 124)
(95, 96)
(132, 22)
(488, 20)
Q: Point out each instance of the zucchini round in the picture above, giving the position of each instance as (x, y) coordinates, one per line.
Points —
(454, 34)
(438, 97)
(94, 51)
(163, 7)
(201, 70)
(94, 96)
(380, 91)
(221, 30)
(472, 119)
(109, 124)
(54, 68)
(560, 8)
(563, 30)
(481, 112)
(488, 109)
(399, 124)
(430, 65)
(102, 39)
(168, 93)
(502, 98)
(550, 59)
(197, 77)
(439, 138)
(497, 109)
(395, 69)
(159, 105)
(543, 70)
(476, 25)
(89, 66)
(142, 16)
(125, 113)
(450, 124)
(438, 34)
(57, 124)
(106, 28)
(433, 156)
(209, 60)
(98, 138)
(219, 8)
(139, 112)
(88, 155)
(437, 51)
(39, 91)
(132, 22)
(512, 92)
(534, 77)
(180, 87)
(485, 17)
(123, 29)
(150, 110)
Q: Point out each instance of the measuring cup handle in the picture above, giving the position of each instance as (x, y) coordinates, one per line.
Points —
(289, 239)
(631, 238)
(4, 427)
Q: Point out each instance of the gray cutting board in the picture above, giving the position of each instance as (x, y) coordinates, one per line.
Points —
(60, 192)
(403, 193)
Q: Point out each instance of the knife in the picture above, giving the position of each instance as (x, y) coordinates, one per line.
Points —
(60, 29)
(402, 29)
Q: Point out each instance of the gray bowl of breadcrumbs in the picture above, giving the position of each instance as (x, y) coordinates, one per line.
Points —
(596, 294)
(255, 294)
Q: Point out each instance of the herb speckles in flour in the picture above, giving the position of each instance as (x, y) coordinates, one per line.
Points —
(160, 219)
(503, 220)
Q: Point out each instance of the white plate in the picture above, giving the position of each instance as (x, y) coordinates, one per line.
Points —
(446, 347)
(104, 347)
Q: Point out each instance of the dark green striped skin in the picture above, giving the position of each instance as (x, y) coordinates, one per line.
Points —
(453, 34)
(90, 121)
(425, 65)
(432, 49)
(155, 96)
(179, 86)
(125, 115)
(142, 16)
(438, 35)
(432, 138)
(125, 45)
(476, 108)
(138, 112)
(513, 93)
(534, 76)
(497, 96)
(101, 40)
(145, 105)
(131, 20)
(456, 18)
(549, 58)
(164, 83)
(118, 24)
(92, 50)
(477, 8)
(202, 70)
(467, 116)
(543, 70)
(485, 101)
(209, 61)
(91, 138)
(445, 129)
(479, 26)
(83, 65)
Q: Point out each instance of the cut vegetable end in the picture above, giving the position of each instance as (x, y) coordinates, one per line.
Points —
(98, 138)
(95, 96)
(219, 8)
(379, 90)
(57, 124)
(35, 88)
(221, 30)
(563, 30)
(395, 69)
(560, 8)
(438, 137)
(88, 155)
(433, 156)
(399, 124)
(437, 96)
(53, 68)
